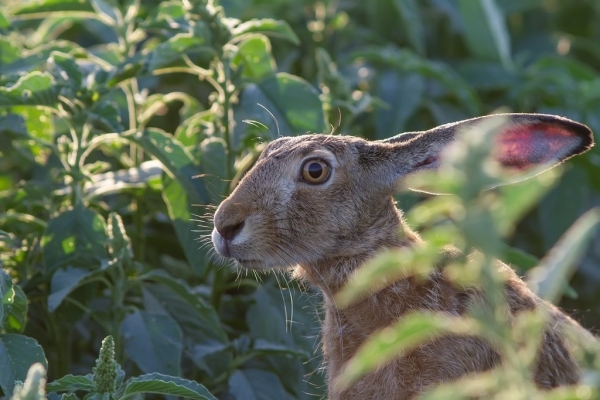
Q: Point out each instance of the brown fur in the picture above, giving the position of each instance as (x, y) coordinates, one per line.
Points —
(274, 219)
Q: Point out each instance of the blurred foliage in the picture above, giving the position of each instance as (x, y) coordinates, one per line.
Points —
(478, 219)
(122, 124)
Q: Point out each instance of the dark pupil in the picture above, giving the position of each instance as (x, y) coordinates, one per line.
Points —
(315, 170)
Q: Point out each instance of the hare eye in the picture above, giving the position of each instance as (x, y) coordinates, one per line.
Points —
(315, 171)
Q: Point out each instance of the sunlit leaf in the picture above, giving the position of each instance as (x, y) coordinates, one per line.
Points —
(408, 332)
(35, 88)
(254, 56)
(548, 279)
(267, 26)
(77, 237)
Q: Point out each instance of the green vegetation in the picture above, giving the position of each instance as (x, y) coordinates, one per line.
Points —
(123, 123)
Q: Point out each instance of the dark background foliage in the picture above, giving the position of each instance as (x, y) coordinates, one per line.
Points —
(107, 245)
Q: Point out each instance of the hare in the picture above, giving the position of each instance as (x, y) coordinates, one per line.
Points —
(322, 205)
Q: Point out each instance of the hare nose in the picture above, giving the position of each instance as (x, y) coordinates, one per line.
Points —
(230, 231)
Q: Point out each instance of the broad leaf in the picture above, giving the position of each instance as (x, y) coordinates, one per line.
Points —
(267, 26)
(403, 93)
(14, 321)
(290, 106)
(17, 354)
(42, 6)
(255, 384)
(76, 237)
(153, 342)
(548, 279)
(197, 319)
(485, 30)
(64, 281)
(171, 50)
(178, 204)
(7, 295)
(263, 347)
(408, 332)
(213, 161)
(177, 161)
(406, 61)
(35, 88)
(13, 125)
(412, 23)
(164, 385)
(254, 56)
(71, 383)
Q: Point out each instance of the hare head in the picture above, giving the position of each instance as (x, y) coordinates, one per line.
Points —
(317, 199)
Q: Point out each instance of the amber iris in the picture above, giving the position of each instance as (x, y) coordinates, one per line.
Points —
(315, 171)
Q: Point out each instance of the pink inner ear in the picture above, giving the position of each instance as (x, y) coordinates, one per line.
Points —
(525, 146)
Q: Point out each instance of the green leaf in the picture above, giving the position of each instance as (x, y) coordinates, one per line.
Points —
(67, 396)
(518, 198)
(519, 258)
(76, 237)
(64, 281)
(171, 50)
(7, 295)
(105, 114)
(263, 347)
(406, 61)
(9, 50)
(71, 383)
(386, 268)
(294, 104)
(163, 384)
(548, 279)
(17, 354)
(198, 319)
(412, 23)
(403, 94)
(254, 55)
(214, 163)
(108, 11)
(408, 332)
(35, 88)
(267, 26)
(255, 384)
(14, 321)
(4, 22)
(573, 190)
(176, 160)
(71, 72)
(39, 123)
(43, 6)
(153, 342)
(485, 30)
(178, 206)
(13, 125)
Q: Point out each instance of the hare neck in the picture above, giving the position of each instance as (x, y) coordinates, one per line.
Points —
(383, 229)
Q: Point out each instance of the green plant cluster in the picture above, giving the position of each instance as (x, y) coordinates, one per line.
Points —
(123, 123)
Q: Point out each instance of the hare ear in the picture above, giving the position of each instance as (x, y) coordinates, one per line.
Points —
(524, 141)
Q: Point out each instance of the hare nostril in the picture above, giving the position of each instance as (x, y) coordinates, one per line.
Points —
(230, 231)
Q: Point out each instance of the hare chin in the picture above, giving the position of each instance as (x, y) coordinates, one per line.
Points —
(259, 265)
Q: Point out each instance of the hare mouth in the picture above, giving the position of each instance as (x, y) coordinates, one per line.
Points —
(250, 264)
